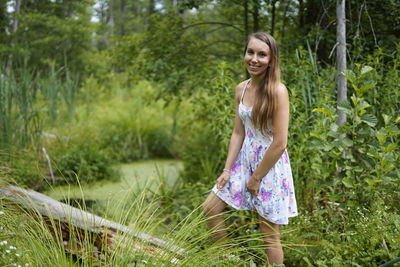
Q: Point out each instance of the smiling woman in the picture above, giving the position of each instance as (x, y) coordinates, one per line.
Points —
(257, 174)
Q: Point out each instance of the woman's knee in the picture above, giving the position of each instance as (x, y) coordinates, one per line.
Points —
(270, 232)
(208, 208)
(212, 205)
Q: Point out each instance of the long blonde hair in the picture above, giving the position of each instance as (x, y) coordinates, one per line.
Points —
(265, 101)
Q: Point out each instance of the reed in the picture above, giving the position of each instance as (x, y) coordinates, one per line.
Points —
(20, 123)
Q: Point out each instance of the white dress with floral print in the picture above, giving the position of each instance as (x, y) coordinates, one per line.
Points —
(276, 200)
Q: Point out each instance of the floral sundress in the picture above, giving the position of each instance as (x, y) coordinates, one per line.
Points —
(276, 200)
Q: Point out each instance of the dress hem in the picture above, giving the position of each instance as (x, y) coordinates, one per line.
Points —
(230, 204)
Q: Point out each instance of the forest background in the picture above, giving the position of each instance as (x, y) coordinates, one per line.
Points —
(102, 82)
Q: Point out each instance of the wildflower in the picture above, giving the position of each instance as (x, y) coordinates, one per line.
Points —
(12, 247)
(18, 255)
(1, 212)
(8, 251)
(3, 242)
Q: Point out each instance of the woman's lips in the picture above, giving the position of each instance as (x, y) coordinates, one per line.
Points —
(254, 67)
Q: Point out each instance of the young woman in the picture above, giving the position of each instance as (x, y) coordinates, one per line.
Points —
(257, 173)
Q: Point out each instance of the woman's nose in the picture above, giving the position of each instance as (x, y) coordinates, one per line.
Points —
(254, 58)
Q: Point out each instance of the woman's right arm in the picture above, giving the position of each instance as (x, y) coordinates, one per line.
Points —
(236, 141)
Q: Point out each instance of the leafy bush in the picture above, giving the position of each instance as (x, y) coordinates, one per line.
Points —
(335, 236)
(84, 160)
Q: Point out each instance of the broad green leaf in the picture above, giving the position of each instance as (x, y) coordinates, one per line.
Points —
(386, 119)
(369, 119)
(397, 120)
(350, 75)
(347, 142)
(348, 182)
(390, 148)
(366, 69)
(372, 182)
(328, 147)
(323, 110)
(334, 127)
(362, 105)
(381, 136)
(345, 106)
(357, 90)
(366, 87)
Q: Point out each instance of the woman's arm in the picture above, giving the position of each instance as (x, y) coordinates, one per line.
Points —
(280, 123)
(236, 141)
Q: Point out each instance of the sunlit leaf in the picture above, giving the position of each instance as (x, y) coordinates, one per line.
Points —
(348, 182)
(386, 119)
(366, 69)
(323, 110)
(350, 75)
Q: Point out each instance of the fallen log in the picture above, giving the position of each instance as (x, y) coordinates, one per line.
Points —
(70, 217)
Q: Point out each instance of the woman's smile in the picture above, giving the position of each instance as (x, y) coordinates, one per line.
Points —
(257, 57)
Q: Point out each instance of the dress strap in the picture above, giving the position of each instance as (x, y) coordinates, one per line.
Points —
(244, 90)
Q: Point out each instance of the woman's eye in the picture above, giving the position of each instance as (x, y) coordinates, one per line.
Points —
(249, 52)
(263, 55)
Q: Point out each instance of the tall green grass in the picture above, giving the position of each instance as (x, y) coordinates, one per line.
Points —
(36, 245)
(30, 100)
(19, 118)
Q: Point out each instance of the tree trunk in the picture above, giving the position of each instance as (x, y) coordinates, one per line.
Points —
(301, 14)
(341, 56)
(284, 22)
(122, 9)
(255, 16)
(111, 19)
(246, 18)
(17, 9)
(273, 17)
(150, 11)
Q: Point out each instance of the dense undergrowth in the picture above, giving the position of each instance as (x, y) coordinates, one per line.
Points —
(346, 178)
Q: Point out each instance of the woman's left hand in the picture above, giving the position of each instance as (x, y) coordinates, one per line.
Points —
(253, 185)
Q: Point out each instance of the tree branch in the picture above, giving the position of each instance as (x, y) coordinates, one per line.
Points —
(213, 23)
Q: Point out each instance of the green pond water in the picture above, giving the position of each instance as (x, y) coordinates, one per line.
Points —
(140, 175)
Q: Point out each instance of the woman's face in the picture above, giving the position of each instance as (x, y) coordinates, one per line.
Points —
(257, 57)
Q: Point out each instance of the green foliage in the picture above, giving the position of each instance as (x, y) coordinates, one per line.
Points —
(124, 128)
(336, 236)
(24, 168)
(84, 160)
(362, 151)
(205, 151)
(51, 32)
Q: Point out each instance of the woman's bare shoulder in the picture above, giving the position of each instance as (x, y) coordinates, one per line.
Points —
(239, 88)
(281, 90)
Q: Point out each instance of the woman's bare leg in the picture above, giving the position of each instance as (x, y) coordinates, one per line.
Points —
(272, 239)
(212, 207)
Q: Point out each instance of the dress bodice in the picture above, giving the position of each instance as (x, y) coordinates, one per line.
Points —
(251, 132)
